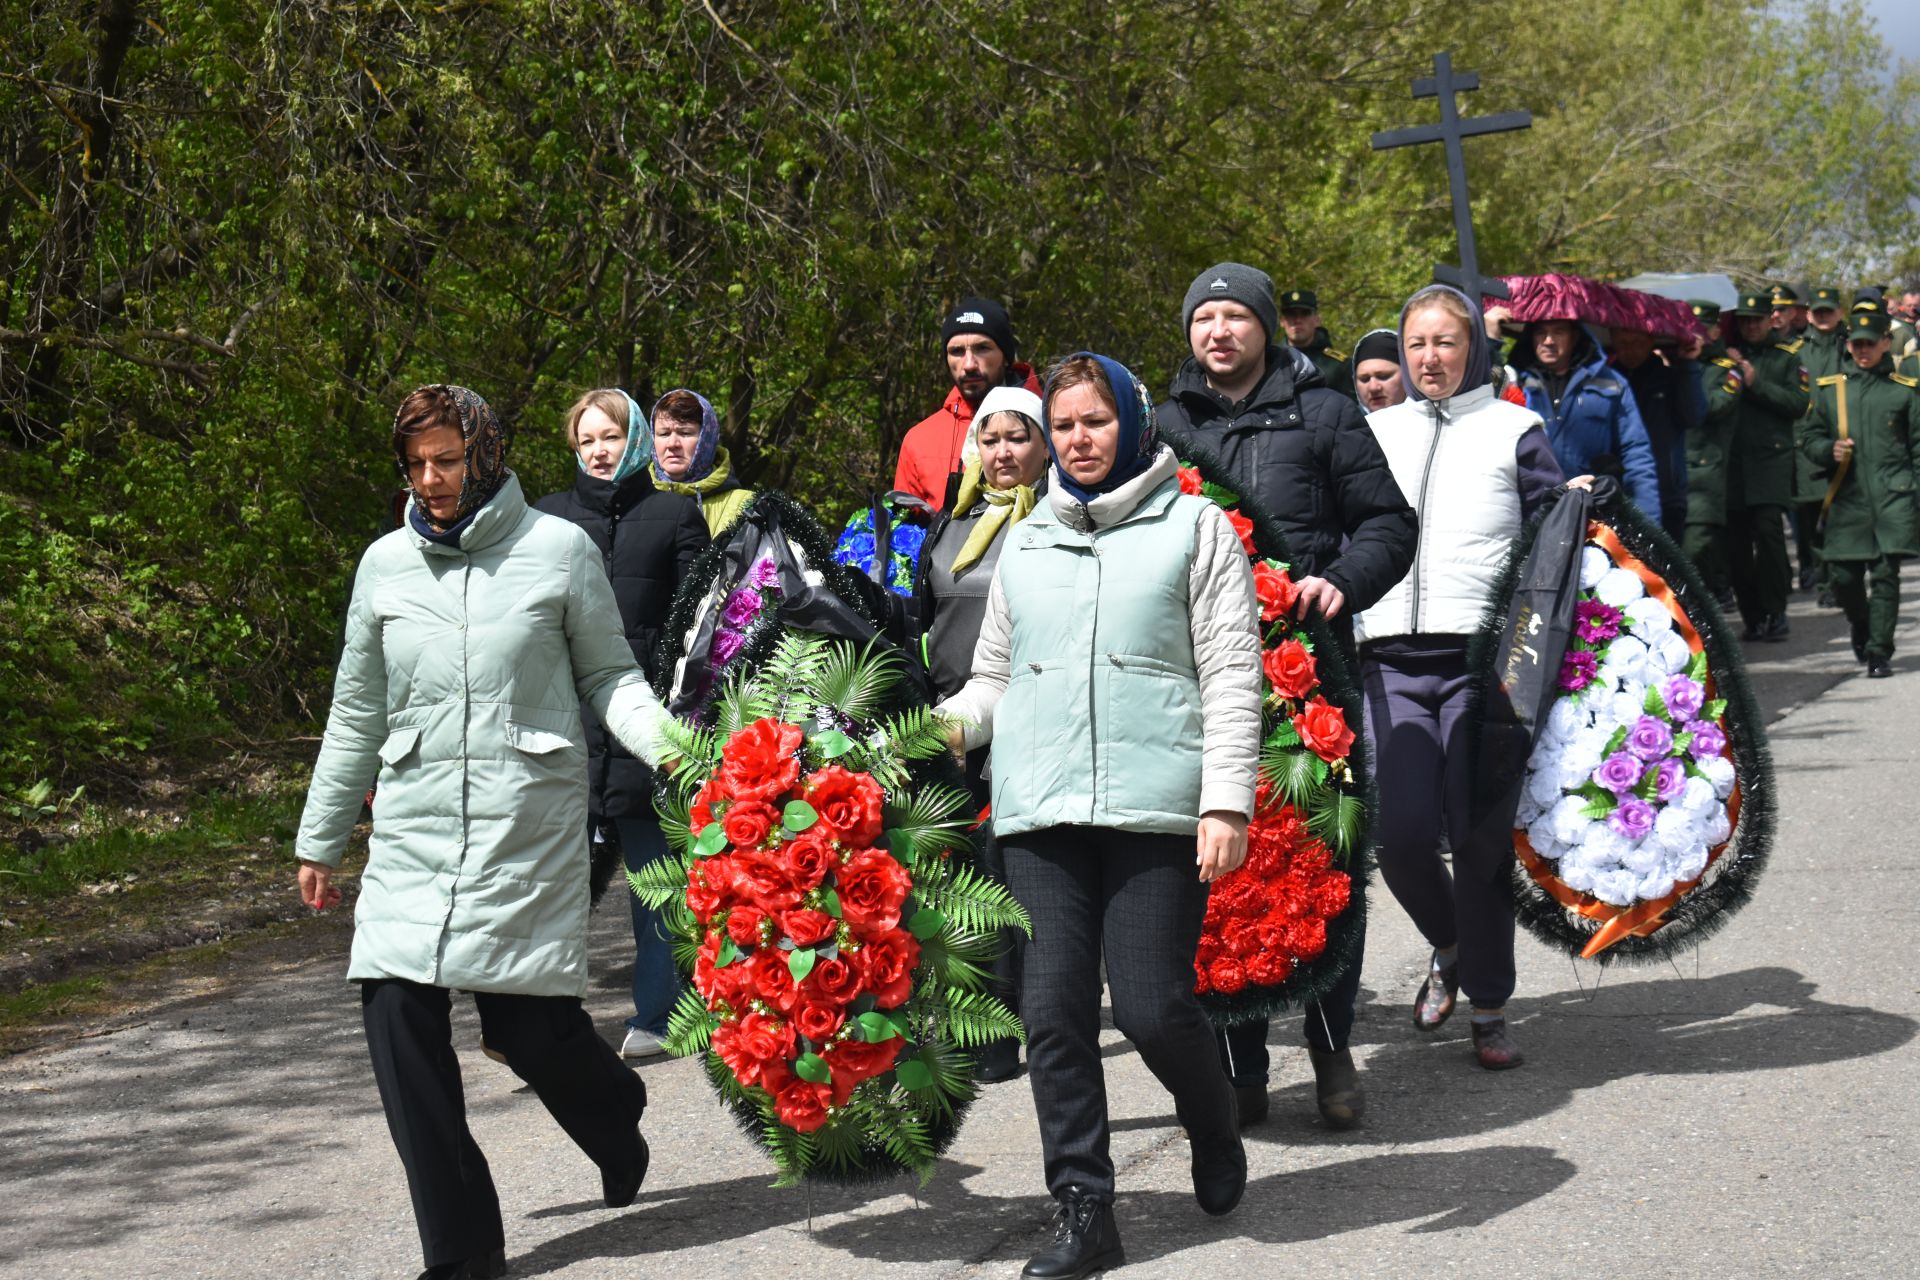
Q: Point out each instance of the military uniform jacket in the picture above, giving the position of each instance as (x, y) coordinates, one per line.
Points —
(1874, 512)
(1760, 461)
(1333, 366)
(1823, 354)
(1707, 443)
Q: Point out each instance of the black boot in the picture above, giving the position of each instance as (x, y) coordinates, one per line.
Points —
(996, 1062)
(1085, 1239)
(1251, 1102)
(620, 1187)
(482, 1266)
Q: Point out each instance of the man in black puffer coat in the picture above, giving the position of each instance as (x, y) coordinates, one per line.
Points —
(1305, 453)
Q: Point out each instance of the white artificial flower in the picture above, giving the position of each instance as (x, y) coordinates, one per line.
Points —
(1615, 887)
(1670, 653)
(1719, 827)
(1565, 823)
(1676, 828)
(1575, 874)
(1540, 836)
(1692, 865)
(1619, 588)
(1696, 799)
(1600, 847)
(1543, 788)
(1594, 564)
(1648, 618)
(1719, 771)
(1568, 716)
(1648, 855)
(1628, 704)
(1653, 885)
(1580, 756)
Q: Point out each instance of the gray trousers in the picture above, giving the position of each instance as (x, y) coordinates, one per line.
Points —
(1139, 898)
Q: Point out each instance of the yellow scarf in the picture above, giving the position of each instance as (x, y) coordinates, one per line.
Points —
(715, 479)
(1005, 508)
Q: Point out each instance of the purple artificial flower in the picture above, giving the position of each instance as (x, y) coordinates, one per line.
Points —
(1594, 622)
(742, 607)
(1650, 739)
(1684, 697)
(726, 646)
(764, 574)
(1577, 670)
(1619, 773)
(1632, 819)
(1671, 780)
(1709, 739)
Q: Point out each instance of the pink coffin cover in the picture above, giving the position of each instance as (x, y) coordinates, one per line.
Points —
(1563, 297)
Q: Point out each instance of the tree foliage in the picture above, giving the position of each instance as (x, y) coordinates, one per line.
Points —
(234, 234)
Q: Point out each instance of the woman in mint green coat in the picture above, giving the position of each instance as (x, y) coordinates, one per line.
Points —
(474, 634)
(1117, 675)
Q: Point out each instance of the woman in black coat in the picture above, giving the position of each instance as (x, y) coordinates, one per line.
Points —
(647, 540)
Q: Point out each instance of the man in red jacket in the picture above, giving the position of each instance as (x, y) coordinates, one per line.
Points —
(980, 347)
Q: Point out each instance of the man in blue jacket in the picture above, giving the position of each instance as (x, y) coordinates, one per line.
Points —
(1588, 407)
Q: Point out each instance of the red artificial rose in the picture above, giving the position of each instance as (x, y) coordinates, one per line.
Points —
(772, 980)
(1307, 938)
(809, 858)
(748, 823)
(776, 1075)
(848, 804)
(806, 926)
(817, 1022)
(1289, 668)
(761, 761)
(1227, 976)
(1190, 482)
(700, 816)
(832, 981)
(704, 969)
(716, 984)
(743, 924)
(873, 886)
(802, 1106)
(1269, 968)
(857, 1060)
(1275, 589)
(759, 1042)
(709, 886)
(1324, 729)
(1243, 527)
(887, 963)
(726, 1044)
(762, 878)
(1330, 894)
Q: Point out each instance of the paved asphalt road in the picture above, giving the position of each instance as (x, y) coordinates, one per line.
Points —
(1748, 1111)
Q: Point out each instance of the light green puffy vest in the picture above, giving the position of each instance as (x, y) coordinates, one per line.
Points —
(1100, 723)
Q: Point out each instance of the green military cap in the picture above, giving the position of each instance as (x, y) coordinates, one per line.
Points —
(1754, 304)
(1784, 295)
(1868, 326)
(1299, 300)
(1826, 298)
(1707, 313)
(1867, 299)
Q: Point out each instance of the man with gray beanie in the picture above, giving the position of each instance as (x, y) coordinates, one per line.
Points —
(1302, 451)
(977, 338)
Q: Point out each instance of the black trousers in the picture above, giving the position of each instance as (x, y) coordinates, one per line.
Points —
(1139, 898)
(1757, 556)
(548, 1041)
(1418, 729)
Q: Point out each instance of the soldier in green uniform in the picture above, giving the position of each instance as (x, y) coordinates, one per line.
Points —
(1823, 348)
(1760, 468)
(1790, 316)
(1300, 317)
(1864, 435)
(1705, 536)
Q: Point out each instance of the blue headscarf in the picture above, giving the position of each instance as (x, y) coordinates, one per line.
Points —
(1138, 439)
(1479, 350)
(639, 451)
(705, 450)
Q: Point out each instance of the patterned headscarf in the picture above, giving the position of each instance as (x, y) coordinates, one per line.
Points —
(486, 448)
(704, 451)
(1139, 440)
(639, 450)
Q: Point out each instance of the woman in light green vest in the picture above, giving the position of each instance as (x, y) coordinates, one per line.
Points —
(689, 458)
(1117, 676)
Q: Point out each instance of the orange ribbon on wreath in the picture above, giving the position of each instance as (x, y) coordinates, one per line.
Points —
(1641, 919)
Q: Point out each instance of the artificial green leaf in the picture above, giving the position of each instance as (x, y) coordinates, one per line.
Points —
(925, 923)
(876, 1027)
(1598, 808)
(1714, 710)
(727, 955)
(711, 840)
(798, 816)
(913, 1074)
(812, 1068)
(1653, 704)
(1697, 666)
(1617, 741)
(830, 903)
(1681, 741)
(800, 963)
(831, 745)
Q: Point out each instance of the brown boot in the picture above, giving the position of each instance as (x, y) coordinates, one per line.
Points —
(1336, 1086)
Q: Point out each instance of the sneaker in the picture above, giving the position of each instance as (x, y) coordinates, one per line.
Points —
(641, 1044)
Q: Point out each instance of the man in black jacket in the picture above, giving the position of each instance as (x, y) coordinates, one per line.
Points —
(1305, 453)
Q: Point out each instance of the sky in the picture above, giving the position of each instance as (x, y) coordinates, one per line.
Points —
(1899, 26)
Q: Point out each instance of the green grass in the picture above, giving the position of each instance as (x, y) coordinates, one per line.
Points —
(205, 837)
(31, 1004)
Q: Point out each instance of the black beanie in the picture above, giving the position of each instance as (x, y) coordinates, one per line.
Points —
(1236, 282)
(984, 316)
(1381, 344)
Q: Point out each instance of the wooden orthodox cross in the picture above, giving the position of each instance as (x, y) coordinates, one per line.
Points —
(1444, 84)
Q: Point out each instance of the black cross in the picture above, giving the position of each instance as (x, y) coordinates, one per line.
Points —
(1443, 84)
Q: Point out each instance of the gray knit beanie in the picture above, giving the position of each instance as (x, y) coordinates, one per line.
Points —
(1236, 282)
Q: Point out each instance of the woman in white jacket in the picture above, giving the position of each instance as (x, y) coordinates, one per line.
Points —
(1475, 467)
